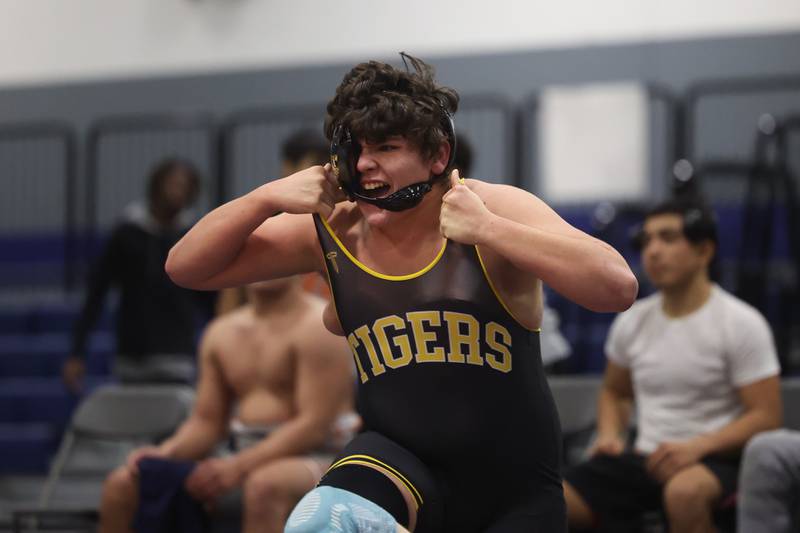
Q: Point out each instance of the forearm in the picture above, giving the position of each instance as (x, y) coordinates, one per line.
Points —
(732, 438)
(216, 240)
(298, 436)
(195, 439)
(613, 414)
(588, 272)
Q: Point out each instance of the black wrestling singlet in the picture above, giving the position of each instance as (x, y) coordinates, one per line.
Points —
(446, 372)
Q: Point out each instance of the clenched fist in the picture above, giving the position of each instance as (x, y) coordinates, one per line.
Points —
(464, 216)
(313, 190)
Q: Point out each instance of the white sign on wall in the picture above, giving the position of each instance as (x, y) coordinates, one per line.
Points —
(593, 143)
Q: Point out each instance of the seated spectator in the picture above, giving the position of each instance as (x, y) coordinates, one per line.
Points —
(701, 367)
(769, 483)
(157, 321)
(277, 381)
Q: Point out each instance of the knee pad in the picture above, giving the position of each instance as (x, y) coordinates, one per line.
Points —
(349, 473)
(334, 510)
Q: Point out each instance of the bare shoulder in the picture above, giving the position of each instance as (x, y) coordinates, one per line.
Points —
(520, 206)
(222, 328)
(504, 197)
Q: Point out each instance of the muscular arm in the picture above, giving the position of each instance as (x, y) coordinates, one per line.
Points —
(323, 389)
(243, 241)
(762, 412)
(207, 424)
(526, 232)
(535, 239)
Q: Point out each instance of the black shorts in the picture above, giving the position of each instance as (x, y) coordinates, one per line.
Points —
(523, 513)
(619, 490)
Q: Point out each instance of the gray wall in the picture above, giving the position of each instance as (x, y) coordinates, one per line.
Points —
(515, 76)
(675, 64)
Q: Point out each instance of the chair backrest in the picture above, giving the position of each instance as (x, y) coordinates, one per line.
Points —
(105, 427)
(790, 393)
(140, 412)
(576, 400)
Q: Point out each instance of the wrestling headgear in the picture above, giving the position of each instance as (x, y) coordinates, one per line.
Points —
(345, 150)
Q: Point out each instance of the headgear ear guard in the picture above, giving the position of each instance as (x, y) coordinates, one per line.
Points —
(345, 151)
(699, 224)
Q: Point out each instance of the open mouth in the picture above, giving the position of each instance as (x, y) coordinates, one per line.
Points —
(375, 189)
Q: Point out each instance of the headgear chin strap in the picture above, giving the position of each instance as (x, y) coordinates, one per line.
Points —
(345, 151)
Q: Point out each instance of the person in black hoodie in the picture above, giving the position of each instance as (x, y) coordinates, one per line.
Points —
(156, 321)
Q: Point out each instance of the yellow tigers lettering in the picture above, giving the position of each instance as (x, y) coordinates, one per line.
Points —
(499, 339)
(424, 337)
(401, 341)
(447, 337)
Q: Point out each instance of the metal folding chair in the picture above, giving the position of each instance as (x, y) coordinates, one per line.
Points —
(106, 426)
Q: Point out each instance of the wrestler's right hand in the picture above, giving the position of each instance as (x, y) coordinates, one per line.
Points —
(132, 462)
(607, 445)
(313, 190)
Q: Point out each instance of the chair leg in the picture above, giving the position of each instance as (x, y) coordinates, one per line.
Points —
(55, 470)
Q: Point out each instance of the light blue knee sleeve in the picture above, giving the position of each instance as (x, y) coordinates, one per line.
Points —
(331, 510)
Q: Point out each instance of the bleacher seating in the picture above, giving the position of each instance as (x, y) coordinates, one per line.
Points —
(34, 404)
(32, 259)
(35, 407)
(29, 444)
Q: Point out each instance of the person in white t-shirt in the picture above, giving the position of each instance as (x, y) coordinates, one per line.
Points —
(700, 366)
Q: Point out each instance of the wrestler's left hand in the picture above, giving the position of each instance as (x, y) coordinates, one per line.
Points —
(464, 217)
(213, 477)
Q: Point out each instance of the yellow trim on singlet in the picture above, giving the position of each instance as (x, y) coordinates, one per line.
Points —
(497, 294)
(381, 469)
(375, 273)
(330, 286)
(354, 459)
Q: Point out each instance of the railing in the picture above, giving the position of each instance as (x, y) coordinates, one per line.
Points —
(251, 140)
(765, 98)
(488, 124)
(37, 206)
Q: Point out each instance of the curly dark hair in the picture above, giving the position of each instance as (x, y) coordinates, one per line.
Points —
(165, 168)
(376, 101)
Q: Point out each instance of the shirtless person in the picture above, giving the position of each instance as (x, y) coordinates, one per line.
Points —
(270, 364)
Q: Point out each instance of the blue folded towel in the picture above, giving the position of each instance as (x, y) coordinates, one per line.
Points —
(164, 505)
